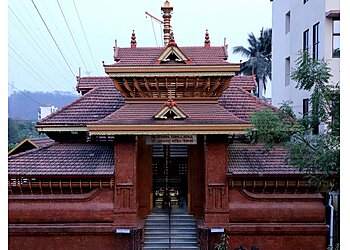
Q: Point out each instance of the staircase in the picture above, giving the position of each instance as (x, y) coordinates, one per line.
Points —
(181, 234)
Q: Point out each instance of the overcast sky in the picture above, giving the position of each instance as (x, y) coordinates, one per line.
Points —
(43, 56)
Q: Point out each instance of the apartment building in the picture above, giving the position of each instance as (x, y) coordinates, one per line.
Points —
(299, 25)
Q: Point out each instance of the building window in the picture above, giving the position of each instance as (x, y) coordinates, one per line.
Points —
(287, 23)
(336, 38)
(287, 71)
(306, 40)
(305, 107)
(316, 41)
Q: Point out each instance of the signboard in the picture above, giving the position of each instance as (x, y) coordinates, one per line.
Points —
(122, 231)
(217, 230)
(171, 139)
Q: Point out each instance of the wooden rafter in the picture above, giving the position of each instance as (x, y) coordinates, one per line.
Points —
(127, 86)
(137, 86)
(120, 88)
(157, 87)
(215, 86)
(148, 87)
(223, 87)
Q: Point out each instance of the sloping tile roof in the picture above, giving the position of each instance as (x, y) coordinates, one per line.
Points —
(30, 143)
(147, 56)
(242, 103)
(244, 82)
(88, 83)
(103, 99)
(199, 113)
(93, 106)
(255, 159)
(64, 159)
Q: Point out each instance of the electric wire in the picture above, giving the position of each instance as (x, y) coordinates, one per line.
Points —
(53, 38)
(154, 32)
(43, 80)
(71, 34)
(50, 62)
(87, 41)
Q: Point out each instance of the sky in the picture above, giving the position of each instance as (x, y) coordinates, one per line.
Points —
(49, 40)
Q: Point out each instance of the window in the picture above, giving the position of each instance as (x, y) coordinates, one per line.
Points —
(336, 38)
(306, 40)
(316, 41)
(287, 71)
(305, 1)
(287, 23)
(305, 107)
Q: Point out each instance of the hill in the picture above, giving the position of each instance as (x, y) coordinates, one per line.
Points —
(25, 105)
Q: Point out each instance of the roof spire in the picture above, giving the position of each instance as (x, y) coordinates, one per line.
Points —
(133, 39)
(207, 40)
(167, 10)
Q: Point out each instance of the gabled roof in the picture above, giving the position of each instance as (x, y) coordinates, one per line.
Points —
(173, 51)
(148, 56)
(64, 159)
(30, 143)
(170, 109)
(254, 159)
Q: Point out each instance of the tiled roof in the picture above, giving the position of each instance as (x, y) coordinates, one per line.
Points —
(244, 82)
(255, 159)
(93, 106)
(242, 103)
(42, 142)
(103, 99)
(147, 56)
(199, 113)
(88, 83)
(64, 159)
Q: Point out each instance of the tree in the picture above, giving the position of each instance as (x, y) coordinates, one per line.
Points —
(259, 57)
(318, 155)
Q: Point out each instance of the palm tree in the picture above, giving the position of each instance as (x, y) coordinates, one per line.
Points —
(259, 57)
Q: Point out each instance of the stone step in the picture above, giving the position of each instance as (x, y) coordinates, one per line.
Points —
(172, 239)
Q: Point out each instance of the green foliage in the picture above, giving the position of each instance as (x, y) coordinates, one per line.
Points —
(335, 247)
(18, 130)
(259, 55)
(224, 244)
(316, 155)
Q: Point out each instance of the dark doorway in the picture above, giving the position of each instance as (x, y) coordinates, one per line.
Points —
(169, 170)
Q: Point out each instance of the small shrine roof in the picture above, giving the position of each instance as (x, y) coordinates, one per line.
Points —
(255, 159)
(64, 159)
(147, 56)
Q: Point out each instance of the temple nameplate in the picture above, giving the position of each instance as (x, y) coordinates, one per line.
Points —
(171, 139)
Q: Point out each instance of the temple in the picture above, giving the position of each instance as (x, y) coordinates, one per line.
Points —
(163, 134)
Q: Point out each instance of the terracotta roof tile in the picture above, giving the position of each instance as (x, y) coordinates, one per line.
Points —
(93, 106)
(103, 99)
(147, 56)
(199, 113)
(244, 82)
(254, 159)
(88, 83)
(242, 103)
(63, 160)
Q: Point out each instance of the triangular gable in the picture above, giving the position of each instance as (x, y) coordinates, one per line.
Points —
(172, 52)
(22, 146)
(170, 111)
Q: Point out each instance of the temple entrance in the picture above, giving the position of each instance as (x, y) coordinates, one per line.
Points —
(170, 180)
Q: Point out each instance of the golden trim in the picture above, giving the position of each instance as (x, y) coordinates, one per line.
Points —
(21, 143)
(55, 128)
